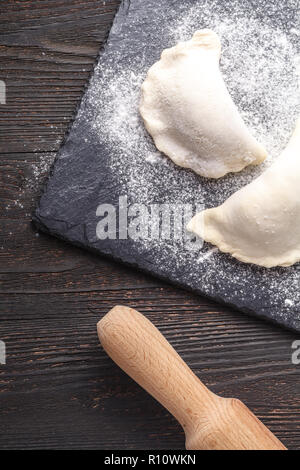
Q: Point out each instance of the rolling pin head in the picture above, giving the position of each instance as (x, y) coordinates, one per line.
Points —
(231, 426)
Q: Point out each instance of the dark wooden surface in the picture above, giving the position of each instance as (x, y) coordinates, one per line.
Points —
(58, 388)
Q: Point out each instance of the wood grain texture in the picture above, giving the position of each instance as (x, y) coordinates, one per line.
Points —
(59, 389)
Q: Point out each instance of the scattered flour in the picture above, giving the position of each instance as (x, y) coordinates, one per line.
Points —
(261, 66)
(38, 172)
(41, 168)
(204, 256)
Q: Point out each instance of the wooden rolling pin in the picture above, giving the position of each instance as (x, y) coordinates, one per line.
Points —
(209, 421)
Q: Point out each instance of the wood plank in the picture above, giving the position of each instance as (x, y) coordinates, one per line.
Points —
(55, 363)
(22, 176)
(33, 262)
(45, 64)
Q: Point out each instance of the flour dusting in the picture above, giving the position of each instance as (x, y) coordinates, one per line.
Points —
(260, 64)
(261, 67)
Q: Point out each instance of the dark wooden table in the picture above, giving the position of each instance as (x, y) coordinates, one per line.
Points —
(58, 388)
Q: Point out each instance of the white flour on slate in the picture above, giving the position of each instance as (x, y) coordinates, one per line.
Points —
(261, 68)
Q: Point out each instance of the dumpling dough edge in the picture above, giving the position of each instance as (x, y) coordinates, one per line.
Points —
(204, 224)
(207, 40)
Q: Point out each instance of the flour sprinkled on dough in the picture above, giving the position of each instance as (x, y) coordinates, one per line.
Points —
(260, 64)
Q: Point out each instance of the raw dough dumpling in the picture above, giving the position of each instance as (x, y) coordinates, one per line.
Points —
(260, 223)
(189, 113)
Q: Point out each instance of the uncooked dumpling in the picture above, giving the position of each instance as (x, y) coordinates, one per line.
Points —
(189, 113)
(260, 224)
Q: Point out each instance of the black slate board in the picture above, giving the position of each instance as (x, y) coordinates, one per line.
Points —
(108, 154)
